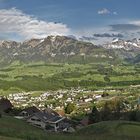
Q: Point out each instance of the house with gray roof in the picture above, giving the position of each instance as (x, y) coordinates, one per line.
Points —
(47, 119)
(29, 111)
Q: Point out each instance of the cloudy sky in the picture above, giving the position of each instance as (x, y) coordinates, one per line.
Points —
(98, 21)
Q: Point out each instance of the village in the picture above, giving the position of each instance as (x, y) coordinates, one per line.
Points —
(54, 99)
(46, 110)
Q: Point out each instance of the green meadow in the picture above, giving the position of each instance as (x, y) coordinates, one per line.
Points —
(43, 77)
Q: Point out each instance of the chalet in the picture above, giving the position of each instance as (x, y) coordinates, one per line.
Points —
(47, 119)
(5, 105)
(29, 111)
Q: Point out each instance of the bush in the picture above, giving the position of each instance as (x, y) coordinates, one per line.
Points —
(70, 108)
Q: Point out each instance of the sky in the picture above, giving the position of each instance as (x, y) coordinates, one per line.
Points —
(98, 21)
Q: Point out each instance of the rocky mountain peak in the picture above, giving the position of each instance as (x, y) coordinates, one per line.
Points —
(123, 44)
(9, 44)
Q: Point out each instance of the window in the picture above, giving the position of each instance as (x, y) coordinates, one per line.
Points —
(56, 124)
(35, 119)
(38, 120)
(38, 125)
(32, 119)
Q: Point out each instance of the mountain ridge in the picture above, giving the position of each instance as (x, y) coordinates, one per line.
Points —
(123, 44)
(66, 49)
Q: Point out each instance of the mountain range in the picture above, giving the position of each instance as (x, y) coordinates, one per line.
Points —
(67, 49)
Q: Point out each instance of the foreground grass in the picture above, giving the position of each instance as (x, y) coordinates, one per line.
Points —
(113, 130)
(13, 129)
(8, 138)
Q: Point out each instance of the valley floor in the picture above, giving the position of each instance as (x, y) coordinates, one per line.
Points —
(37, 79)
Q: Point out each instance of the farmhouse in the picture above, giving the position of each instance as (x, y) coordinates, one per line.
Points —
(29, 111)
(47, 119)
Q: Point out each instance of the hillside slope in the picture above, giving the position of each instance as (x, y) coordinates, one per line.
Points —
(13, 129)
(113, 130)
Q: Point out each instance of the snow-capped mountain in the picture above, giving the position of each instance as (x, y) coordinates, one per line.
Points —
(133, 44)
(66, 49)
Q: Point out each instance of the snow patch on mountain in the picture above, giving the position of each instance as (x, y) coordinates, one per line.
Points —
(123, 44)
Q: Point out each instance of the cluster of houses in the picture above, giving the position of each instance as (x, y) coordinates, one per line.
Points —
(33, 110)
(48, 116)
(47, 119)
(58, 99)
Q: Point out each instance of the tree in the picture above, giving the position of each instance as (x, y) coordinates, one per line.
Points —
(118, 105)
(106, 112)
(132, 116)
(95, 115)
(107, 79)
(138, 115)
(113, 109)
(70, 108)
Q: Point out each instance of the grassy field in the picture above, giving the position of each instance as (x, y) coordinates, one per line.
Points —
(8, 138)
(43, 77)
(13, 129)
(113, 130)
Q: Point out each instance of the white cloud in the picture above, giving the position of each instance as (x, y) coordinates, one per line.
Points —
(136, 22)
(88, 32)
(27, 26)
(115, 13)
(103, 11)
